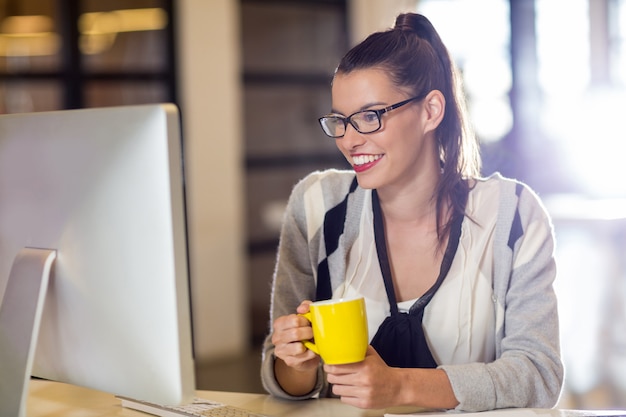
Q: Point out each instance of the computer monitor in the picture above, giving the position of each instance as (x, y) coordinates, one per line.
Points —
(95, 197)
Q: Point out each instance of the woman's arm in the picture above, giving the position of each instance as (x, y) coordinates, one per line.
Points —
(528, 371)
(299, 252)
(297, 382)
(292, 282)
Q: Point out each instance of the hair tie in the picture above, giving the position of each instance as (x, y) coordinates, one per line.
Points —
(416, 24)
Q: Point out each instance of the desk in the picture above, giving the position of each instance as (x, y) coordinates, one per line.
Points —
(54, 399)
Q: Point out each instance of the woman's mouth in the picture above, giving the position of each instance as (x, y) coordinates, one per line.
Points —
(361, 163)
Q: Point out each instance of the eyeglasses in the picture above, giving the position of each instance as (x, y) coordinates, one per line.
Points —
(365, 121)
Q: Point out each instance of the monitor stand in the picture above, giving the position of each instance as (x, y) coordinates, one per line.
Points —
(20, 316)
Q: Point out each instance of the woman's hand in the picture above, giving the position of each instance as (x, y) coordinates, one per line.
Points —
(366, 384)
(373, 384)
(295, 366)
(289, 332)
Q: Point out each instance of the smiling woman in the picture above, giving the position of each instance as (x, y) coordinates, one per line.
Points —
(440, 254)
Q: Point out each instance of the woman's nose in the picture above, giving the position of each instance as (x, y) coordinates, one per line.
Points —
(351, 139)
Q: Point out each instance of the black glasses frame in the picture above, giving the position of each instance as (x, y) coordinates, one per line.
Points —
(377, 112)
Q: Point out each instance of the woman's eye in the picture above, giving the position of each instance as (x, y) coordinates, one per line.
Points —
(370, 117)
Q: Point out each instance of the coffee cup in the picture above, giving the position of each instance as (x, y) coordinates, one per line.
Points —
(340, 333)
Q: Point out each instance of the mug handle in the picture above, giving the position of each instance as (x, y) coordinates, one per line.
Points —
(309, 345)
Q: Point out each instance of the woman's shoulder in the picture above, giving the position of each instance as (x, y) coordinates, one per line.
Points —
(496, 182)
(329, 183)
(315, 194)
(329, 177)
(321, 190)
(509, 192)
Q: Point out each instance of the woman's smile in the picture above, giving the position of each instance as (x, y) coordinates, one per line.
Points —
(363, 162)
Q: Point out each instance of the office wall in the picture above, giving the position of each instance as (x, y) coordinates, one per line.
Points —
(209, 80)
(367, 16)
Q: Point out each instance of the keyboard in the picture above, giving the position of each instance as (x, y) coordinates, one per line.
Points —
(198, 408)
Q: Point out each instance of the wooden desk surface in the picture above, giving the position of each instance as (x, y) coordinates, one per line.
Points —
(54, 399)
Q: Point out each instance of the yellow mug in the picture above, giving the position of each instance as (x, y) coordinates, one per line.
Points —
(339, 330)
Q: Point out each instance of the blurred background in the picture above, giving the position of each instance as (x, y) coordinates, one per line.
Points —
(546, 88)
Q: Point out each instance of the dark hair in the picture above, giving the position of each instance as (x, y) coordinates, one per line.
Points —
(414, 57)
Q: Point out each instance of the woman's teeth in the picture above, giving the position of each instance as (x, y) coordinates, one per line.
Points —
(364, 159)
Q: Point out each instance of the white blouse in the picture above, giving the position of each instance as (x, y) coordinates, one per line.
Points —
(459, 321)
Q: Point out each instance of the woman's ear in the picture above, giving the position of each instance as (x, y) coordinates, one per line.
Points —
(435, 107)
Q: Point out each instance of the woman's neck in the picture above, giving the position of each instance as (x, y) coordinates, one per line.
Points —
(413, 204)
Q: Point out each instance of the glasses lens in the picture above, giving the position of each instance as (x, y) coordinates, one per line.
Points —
(366, 121)
(333, 126)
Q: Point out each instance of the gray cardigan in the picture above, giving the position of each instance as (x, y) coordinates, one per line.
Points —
(527, 372)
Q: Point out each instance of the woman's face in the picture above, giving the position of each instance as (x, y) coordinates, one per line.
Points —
(403, 153)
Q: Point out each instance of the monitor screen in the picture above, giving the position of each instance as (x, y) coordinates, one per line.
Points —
(103, 188)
